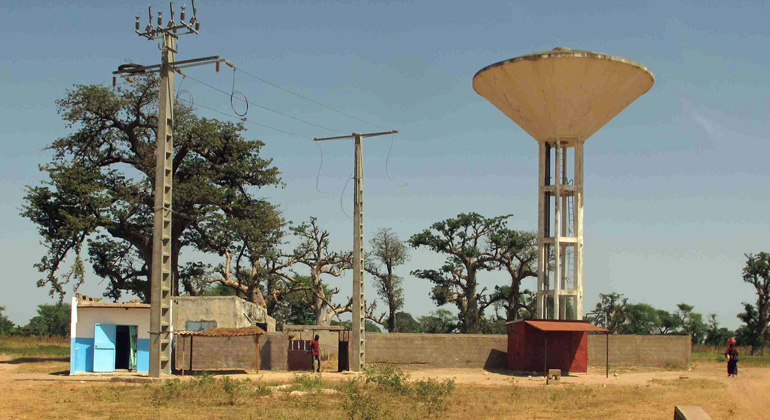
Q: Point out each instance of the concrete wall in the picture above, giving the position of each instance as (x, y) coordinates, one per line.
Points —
(489, 351)
(666, 351)
(438, 350)
(227, 353)
(227, 311)
(273, 351)
(215, 353)
(434, 350)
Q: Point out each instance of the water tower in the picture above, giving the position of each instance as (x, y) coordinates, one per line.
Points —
(561, 98)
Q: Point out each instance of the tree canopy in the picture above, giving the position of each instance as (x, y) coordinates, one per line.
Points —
(99, 190)
(465, 241)
(757, 317)
(387, 253)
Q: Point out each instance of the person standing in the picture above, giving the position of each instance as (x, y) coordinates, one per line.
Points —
(732, 358)
(315, 352)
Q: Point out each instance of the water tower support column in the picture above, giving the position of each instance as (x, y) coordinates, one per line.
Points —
(578, 210)
(542, 216)
(560, 234)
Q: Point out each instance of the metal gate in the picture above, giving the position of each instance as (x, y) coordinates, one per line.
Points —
(342, 352)
(299, 355)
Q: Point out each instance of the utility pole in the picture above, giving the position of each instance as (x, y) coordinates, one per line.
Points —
(359, 302)
(161, 276)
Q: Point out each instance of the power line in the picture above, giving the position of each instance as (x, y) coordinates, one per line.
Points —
(308, 99)
(230, 94)
(244, 120)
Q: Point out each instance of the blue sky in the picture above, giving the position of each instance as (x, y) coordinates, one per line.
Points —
(675, 186)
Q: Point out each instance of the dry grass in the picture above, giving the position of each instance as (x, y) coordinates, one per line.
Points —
(655, 400)
(35, 346)
(209, 397)
(703, 353)
(215, 398)
(35, 354)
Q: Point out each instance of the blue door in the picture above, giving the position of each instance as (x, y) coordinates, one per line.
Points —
(104, 347)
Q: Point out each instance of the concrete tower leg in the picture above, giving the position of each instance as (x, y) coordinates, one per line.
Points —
(560, 252)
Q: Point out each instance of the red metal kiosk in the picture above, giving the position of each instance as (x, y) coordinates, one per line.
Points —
(549, 344)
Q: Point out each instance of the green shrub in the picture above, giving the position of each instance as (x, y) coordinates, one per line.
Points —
(361, 402)
(434, 394)
(310, 382)
(232, 388)
(430, 394)
(205, 380)
(388, 376)
(164, 393)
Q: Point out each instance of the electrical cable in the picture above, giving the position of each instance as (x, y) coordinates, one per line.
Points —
(244, 120)
(387, 160)
(233, 92)
(321, 165)
(311, 100)
(180, 91)
(269, 109)
(343, 194)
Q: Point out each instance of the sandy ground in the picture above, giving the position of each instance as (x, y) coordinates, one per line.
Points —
(749, 391)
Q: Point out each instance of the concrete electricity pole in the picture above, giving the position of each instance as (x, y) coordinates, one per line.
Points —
(161, 276)
(359, 302)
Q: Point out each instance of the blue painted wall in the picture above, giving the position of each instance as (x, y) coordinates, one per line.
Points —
(82, 355)
(143, 355)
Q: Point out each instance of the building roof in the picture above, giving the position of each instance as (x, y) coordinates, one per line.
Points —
(314, 328)
(116, 305)
(224, 332)
(564, 326)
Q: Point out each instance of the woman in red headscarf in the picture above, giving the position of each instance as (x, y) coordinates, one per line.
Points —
(732, 357)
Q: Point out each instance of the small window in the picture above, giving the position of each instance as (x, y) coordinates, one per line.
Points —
(200, 325)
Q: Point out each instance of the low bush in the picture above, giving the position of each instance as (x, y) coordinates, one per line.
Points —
(309, 382)
(387, 376)
(384, 389)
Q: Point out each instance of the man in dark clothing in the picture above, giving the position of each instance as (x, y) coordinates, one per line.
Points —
(315, 352)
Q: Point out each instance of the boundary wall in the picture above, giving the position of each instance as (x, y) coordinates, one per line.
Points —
(665, 351)
(488, 351)
(479, 351)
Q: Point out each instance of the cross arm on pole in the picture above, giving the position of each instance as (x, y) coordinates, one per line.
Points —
(133, 69)
(354, 135)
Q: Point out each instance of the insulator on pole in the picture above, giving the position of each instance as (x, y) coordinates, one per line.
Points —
(114, 81)
(217, 66)
(182, 14)
(197, 25)
(137, 23)
(160, 19)
(230, 63)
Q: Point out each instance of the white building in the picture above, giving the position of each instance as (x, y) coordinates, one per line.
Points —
(108, 336)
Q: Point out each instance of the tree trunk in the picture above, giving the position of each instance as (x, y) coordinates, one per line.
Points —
(392, 327)
(472, 315)
(320, 310)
